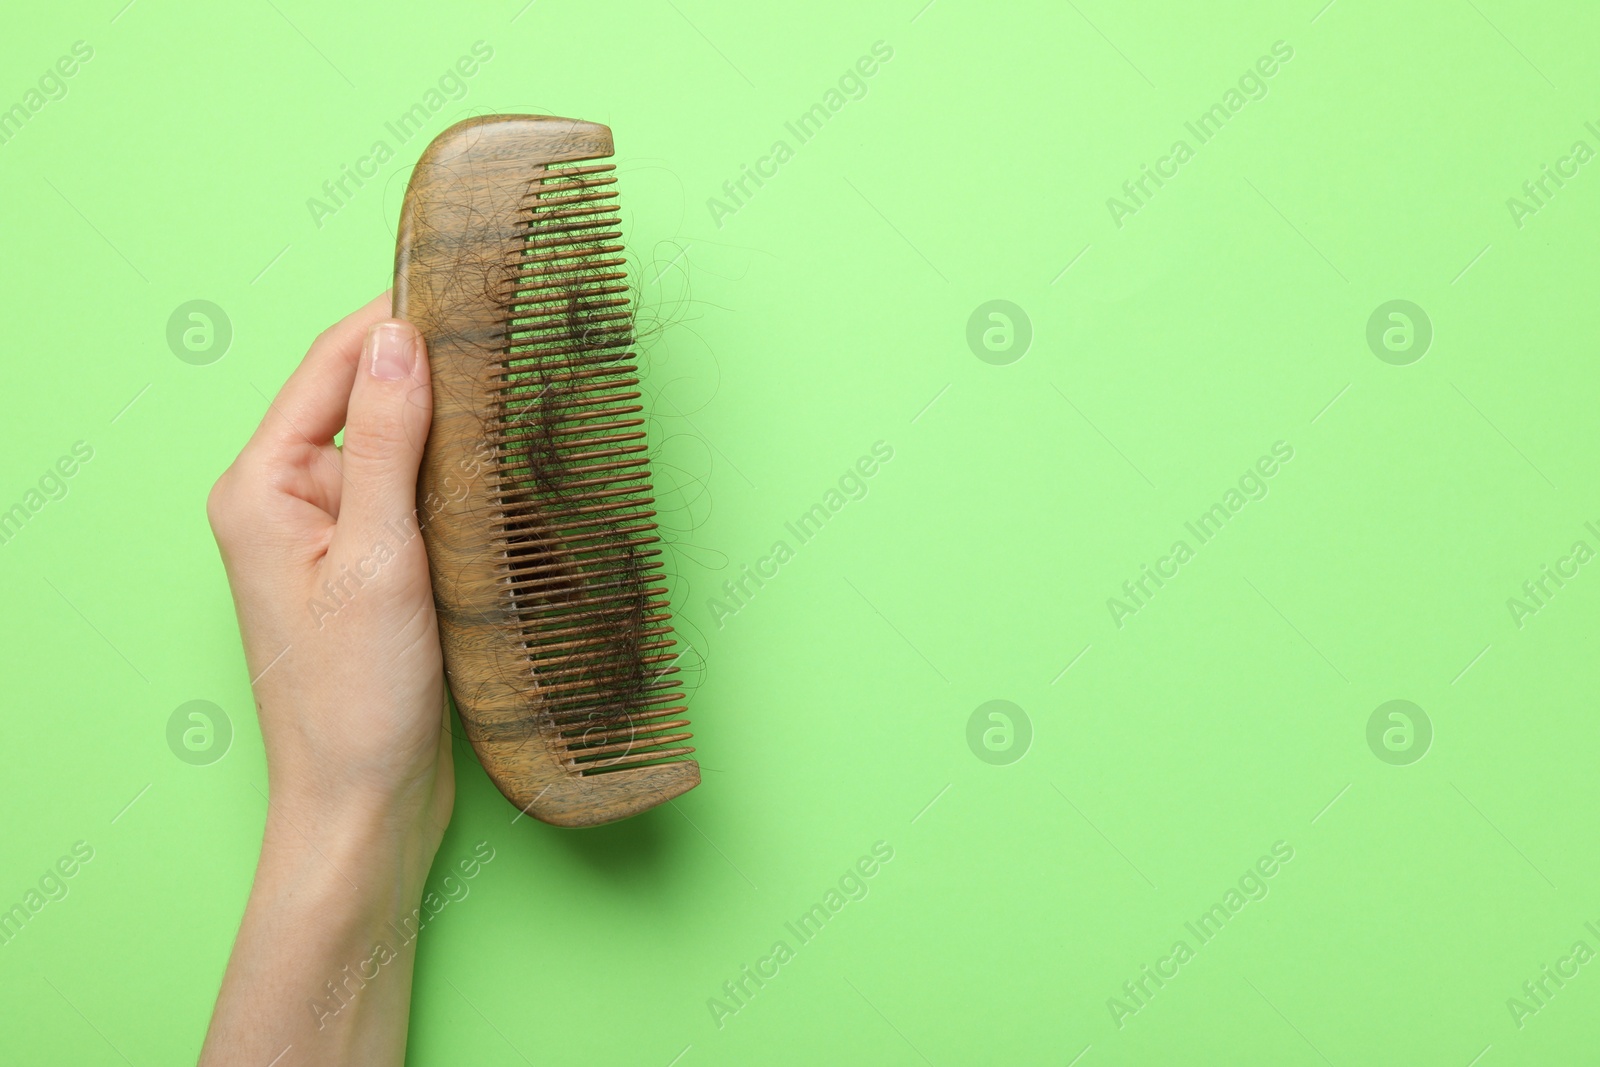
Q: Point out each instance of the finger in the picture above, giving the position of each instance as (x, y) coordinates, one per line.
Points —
(391, 405)
(311, 407)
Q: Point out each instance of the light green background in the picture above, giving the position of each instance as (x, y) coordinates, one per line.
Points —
(1228, 714)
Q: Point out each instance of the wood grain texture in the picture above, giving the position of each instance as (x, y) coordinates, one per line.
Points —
(502, 222)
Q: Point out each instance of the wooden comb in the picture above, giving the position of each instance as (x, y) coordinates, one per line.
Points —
(534, 496)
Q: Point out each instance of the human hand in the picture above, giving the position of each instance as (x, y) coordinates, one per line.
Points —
(330, 583)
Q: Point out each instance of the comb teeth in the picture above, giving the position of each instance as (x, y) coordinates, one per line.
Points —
(596, 636)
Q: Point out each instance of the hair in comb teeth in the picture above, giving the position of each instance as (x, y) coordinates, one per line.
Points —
(554, 618)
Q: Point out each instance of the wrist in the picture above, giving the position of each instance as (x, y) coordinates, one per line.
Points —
(331, 926)
(315, 837)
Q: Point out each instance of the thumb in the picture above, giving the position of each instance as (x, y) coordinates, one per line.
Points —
(387, 426)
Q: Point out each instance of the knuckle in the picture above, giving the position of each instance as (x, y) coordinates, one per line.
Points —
(388, 433)
(231, 504)
(324, 338)
(219, 504)
(375, 441)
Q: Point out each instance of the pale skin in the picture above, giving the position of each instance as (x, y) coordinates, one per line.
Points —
(351, 702)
